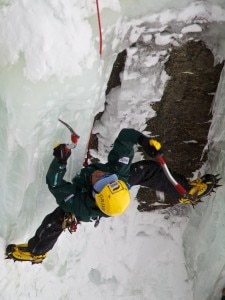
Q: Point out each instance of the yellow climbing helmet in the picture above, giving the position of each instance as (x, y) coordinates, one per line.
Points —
(114, 198)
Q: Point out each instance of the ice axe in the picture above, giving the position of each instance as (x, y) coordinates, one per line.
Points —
(181, 190)
(160, 159)
(74, 136)
(191, 197)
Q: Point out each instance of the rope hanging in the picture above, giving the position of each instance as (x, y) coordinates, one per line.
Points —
(99, 28)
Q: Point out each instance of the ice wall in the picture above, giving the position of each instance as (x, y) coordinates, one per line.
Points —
(49, 68)
(204, 238)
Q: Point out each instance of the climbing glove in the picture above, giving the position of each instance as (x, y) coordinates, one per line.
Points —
(62, 153)
(151, 146)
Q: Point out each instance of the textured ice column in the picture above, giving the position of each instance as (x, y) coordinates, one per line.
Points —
(204, 238)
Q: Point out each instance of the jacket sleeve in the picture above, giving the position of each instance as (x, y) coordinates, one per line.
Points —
(62, 190)
(122, 153)
(68, 197)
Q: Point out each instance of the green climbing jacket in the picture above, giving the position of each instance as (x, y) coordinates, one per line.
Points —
(76, 197)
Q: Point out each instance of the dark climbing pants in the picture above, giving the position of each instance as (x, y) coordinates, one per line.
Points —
(48, 233)
(149, 174)
(145, 173)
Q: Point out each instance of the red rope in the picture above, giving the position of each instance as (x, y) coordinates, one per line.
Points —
(99, 28)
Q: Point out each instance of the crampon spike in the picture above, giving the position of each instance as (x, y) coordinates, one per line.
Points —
(217, 177)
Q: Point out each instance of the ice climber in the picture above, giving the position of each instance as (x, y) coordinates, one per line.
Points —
(100, 190)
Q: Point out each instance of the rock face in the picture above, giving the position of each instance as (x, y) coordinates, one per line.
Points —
(184, 113)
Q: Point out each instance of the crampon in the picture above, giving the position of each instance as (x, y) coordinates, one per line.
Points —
(199, 188)
(21, 253)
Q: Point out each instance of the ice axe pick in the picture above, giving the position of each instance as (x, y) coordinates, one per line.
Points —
(74, 135)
